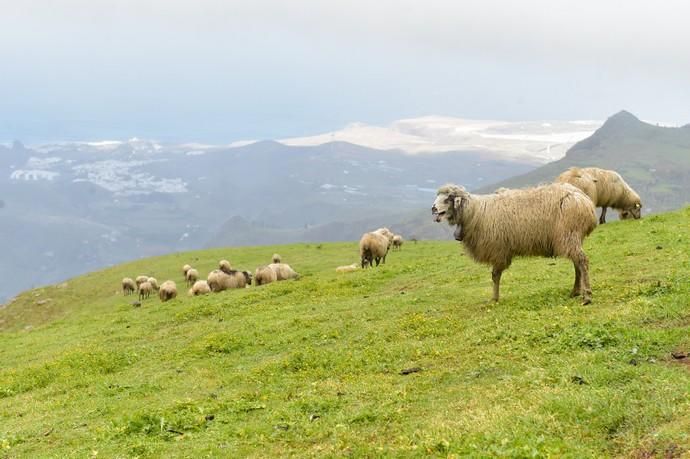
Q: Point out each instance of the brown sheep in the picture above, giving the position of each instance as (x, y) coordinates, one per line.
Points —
(374, 246)
(168, 291)
(606, 188)
(549, 220)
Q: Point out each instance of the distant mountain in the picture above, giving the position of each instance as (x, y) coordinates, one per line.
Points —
(654, 160)
(69, 208)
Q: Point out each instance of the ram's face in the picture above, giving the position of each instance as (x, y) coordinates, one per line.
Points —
(631, 212)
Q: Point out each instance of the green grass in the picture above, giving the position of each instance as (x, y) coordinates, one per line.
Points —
(311, 367)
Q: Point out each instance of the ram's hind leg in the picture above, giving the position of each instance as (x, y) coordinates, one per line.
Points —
(577, 288)
(496, 278)
(582, 262)
(602, 218)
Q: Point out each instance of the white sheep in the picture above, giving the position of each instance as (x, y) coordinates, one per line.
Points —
(219, 280)
(264, 275)
(145, 289)
(283, 271)
(192, 276)
(606, 188)
(374, 246)
(224, 265)
(200, 287)
(128, 286)
(549, 220)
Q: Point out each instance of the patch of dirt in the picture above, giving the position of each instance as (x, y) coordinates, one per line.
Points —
(670, 451)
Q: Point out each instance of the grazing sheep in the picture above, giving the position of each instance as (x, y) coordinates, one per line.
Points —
(192, 276)
(168, 291)
(264, 275)
(185, 268)
(145, 290)
(140, 280)
(276, 258)
(605, 188)
(153, 282)
(128, 286)
(200, 287)
(219, 280)
(283, 271)
(347, 268)
(549, 220)
(374, 246)
(397, 242)
(224, 266)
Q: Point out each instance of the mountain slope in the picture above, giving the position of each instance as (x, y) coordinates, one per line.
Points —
(312, 367)
(654, 160)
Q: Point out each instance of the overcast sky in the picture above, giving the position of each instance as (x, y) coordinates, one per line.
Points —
(219, 71)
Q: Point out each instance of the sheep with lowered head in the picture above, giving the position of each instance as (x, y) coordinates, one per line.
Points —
(154, 283)
(397, 242)
(140, 280)
(145, 290)
(549, 220)
(192, 276)
(606, 188)
(168, 291)
(347, 268)
(276, 258)
(374, 246)
(283, 271)
(219, 280)
(264, 275)
(128, 286)
(185, 268)
(200, 287)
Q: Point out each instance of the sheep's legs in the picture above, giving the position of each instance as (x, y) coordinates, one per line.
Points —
(602, 218)
(496, 277)
(583, 265)
(577, 288)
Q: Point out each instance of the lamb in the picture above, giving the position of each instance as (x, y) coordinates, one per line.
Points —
(374, 246)
(219, 280)
(168, 291)
(140, 280)
(606, 188)
(397, 242)
(347, 268)
(154, 283)
(185, 268)
(128, 286)
(276, 258)
(265, 275)
(200, 287)
(224, 266)
(283, 271)
(145, 290)
(549, 220)
(192, 276)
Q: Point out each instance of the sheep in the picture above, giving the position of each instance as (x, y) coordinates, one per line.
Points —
(219, 280)
(283, 271)
(347, 268)
(168, 291)
(374, 246)
(397, 242)
(185, 268)
(140, 280)
(606, 188)
(200, 287)
(276, 258)
(549, 220)
(145, 290)
(224, 265)
(192, 276)
(264, 275)
(128, 286)
(154, 283)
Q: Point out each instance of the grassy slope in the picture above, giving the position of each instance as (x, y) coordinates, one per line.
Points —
(310, 367)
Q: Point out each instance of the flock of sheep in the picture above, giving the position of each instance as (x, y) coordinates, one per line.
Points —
(548, 220)
(223, 278)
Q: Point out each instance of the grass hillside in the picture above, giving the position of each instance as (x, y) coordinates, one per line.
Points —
(313, 367)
